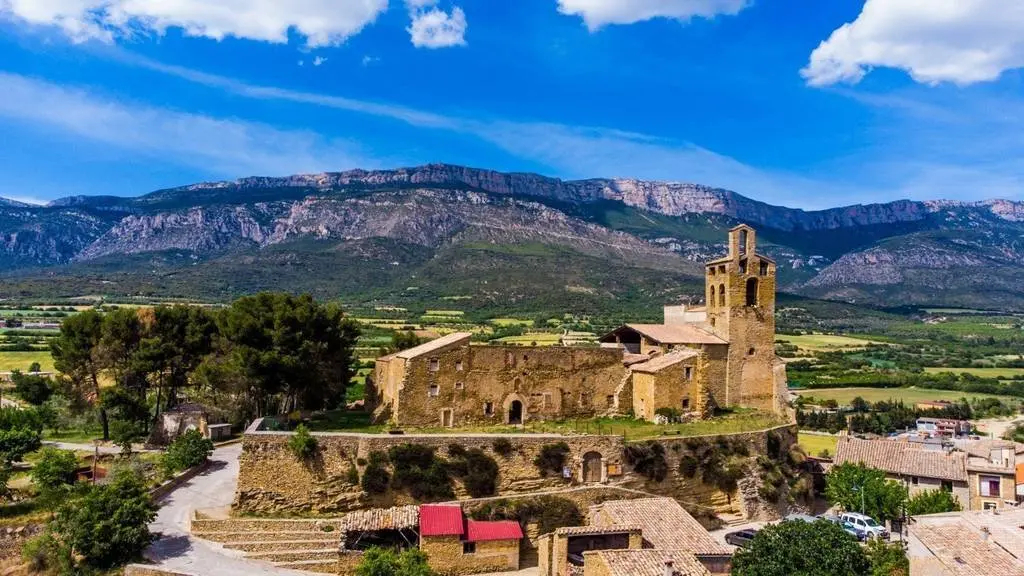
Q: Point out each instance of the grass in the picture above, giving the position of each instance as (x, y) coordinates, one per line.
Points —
(727, 423)
(22, 360)
(824, 342)
(813, 444)
(541, 338)
(981, 372)
(444, 313)
(510, 322)
(73, 436)
(909, 395)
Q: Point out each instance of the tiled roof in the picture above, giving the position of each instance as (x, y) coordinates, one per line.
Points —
(903, 458)
(677, 333)
(594, 530)
(441, 520)
(971, 543)
(434, 345)
(648, 562)
(478, 531)
(661, 362)
(381, 519)
(665, 524)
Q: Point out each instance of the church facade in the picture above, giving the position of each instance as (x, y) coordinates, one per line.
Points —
(715, 356)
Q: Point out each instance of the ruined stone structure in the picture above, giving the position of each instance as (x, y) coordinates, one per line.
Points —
(719, 355)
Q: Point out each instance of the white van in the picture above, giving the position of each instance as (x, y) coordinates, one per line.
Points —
(865, 524)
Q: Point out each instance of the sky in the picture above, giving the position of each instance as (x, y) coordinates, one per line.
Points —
(796, 103)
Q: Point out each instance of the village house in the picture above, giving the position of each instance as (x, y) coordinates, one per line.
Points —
(978, 543)
(456, 545)
(720, 355)
(980, 473)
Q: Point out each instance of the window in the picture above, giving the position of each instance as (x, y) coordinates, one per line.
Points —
(751, 352)
(751, 291)
(609, 400)
(913, 480)
(711, 270)
(988, 486)
(721, 294)
(947, 486)
(711, 300)
(764, 268)
(743, 242)
(688, 373)
(459, 385)
(686, 403)
(435, 364)
(721, 269)
(989, 505)
(434, 391)
(458, 366)
(743, 266)
(488, 408)
(585, 399)
(547, 400)
(712, 321)
(469, 547)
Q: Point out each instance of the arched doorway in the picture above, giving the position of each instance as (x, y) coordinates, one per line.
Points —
(592, 467)
(515, 412)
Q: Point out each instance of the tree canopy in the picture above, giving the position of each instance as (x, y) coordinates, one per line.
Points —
(932, 502)
(858, 488)
(384, 562)
(798, 548)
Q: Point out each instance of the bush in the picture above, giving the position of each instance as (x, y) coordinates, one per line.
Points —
(417, 470)
(106, 526)
(456, 450)
(551, 458)
(503, 447)
(648, 459)
(384, 562)
(124, 433)
(188, 450)
(481, 475)
(353, 476)
(932, 502)
(549, 512)
(32, 388)
(55, 469)
(688, 466)
(375, 477)
(797, 547)
(302, 444)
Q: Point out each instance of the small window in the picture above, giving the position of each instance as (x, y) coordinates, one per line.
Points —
(721, 294)
(585, 399)
(751, 352)
(914, 480)
(711, 270)
(469, 547)
(764, 268)
(687, 373)
(712, 321)
(459, 386)
(721, 269)
(989, 486)
(458, 366)
(743, 266)
(711, 300)
(743, 242)
(609, 400)
(752, 292)
(546, 399)
(434, 391)
(989, 505)
(947, 486)
(488, 409)
(686, 403)
(435, 364)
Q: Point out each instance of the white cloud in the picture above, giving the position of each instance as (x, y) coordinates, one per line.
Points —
(220, 145)
(959, 41)
(321, 22)
(432, 27)
(370, 60)
(598, 13)
(319, 60)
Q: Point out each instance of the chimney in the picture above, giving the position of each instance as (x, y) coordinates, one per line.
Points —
(669, 571)
(985, 533)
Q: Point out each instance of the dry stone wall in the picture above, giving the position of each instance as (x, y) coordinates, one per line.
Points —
(273, 482)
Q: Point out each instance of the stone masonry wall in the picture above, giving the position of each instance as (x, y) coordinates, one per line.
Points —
(446, 557)
(272, 482)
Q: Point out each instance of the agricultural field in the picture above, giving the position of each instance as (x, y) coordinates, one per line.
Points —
(908, 395)
(540, 338)
(825, 342)
(981, 372)
(502, 322)
(815, 444)
(22, 360)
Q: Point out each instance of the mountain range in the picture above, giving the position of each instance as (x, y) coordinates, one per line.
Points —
(499, 240)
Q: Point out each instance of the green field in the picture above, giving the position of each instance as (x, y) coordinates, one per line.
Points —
(981, 372)
(445, 313)
(22, 360)
(824, 342)
(909, 395)
(813, 444)
(510, 322)
(541, 338)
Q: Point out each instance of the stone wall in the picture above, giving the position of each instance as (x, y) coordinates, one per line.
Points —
(446, 557)
(272, 481)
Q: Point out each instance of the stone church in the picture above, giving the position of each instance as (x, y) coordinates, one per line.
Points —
(699, 358)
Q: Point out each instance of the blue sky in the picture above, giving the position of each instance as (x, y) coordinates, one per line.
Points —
(806, 104)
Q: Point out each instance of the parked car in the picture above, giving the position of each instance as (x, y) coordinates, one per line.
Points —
(866, 524)
(741, 538)
(850, 529)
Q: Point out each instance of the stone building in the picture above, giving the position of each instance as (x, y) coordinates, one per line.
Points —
(719, 355)
(455, 545)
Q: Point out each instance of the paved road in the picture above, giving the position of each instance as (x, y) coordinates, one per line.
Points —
(177, 550)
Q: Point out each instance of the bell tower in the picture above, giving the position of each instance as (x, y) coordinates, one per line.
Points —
(740, 294)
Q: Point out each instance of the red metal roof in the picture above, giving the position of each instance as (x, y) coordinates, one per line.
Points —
(441, 520)
(477, 531)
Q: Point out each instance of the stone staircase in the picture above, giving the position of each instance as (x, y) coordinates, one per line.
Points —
(310, 545)
(733, 520)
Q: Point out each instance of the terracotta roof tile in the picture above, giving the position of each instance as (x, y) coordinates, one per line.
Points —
(648, 562)
(665, 524)
(903, 458)
(588, 530)
(972, 543)
(434, 345)
(661, 362)
(381, 519)
(677, 333)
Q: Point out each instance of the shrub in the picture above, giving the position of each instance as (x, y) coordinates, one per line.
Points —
(124, 433)
(551, 458)
(188, 450)
(55, 469)
(418, 471)
(302, 444)
(385, 562)
(456, 450)
(648, 459)
(932, 502)
(481, 476)
(688, 466)
(375, 477)
(32, 388)
(503, 447)
(353, 476)
(549, 512)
